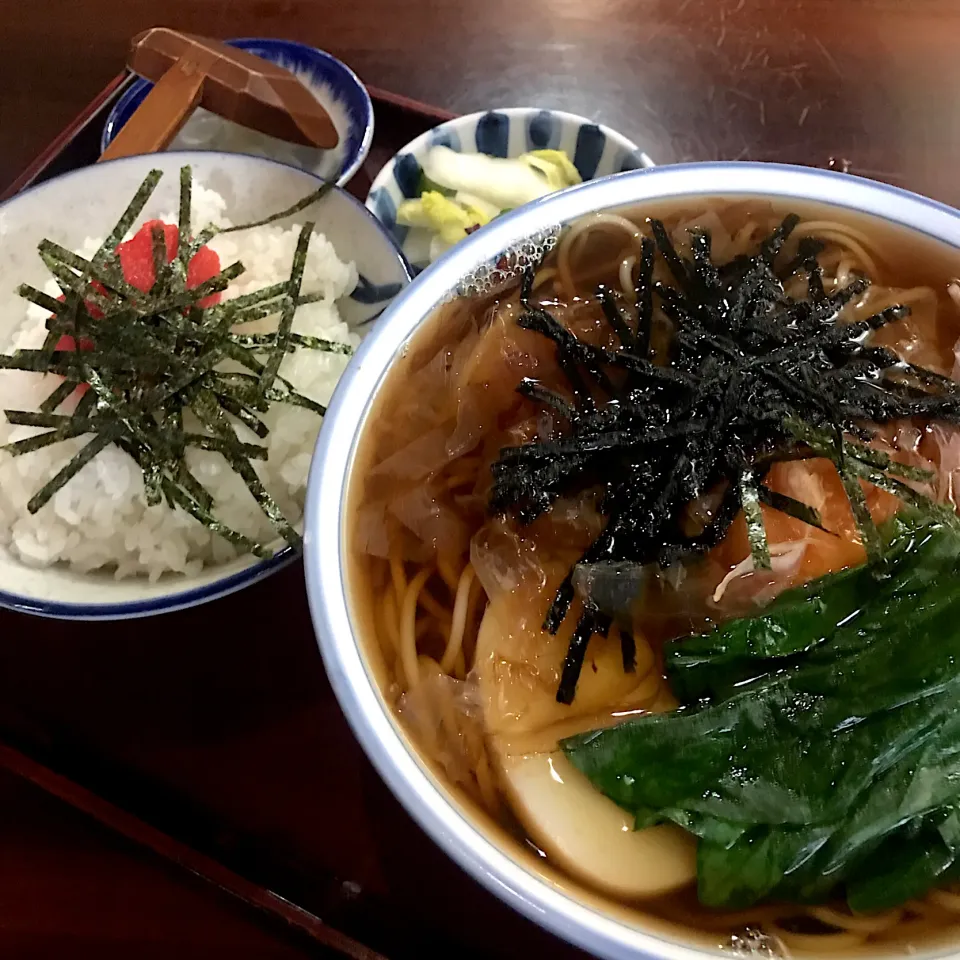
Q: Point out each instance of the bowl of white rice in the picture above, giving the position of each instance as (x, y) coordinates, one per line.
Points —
(99, 548)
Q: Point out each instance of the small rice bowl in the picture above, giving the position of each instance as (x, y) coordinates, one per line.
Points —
(100, 519)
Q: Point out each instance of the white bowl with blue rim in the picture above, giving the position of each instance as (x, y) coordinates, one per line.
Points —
(334, 84)
(511, 872)
(88, 202)
(596, 151)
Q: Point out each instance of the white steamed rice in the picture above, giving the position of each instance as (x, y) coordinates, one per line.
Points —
(100, 519)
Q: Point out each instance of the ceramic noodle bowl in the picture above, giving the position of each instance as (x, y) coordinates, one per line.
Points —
(342, 606)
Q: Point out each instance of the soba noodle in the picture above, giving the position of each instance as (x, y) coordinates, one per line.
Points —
(432, 582)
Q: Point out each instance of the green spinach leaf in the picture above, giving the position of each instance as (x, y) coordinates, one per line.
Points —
(818, 745)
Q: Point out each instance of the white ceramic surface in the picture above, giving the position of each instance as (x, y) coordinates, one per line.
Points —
(88, 202)
(425, 798)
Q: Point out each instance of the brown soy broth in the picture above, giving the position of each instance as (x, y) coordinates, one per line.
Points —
(404, 417)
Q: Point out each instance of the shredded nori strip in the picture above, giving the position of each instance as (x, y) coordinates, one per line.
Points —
(751, 376)
(289, 307)
(157, 354)
(591, 621)
(308, 201)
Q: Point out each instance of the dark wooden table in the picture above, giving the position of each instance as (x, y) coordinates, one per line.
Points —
(213, 724)
(70, 888)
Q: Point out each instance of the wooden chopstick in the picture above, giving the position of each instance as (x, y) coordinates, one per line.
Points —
(181, 855)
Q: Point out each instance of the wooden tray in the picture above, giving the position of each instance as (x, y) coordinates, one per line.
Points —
(398, 120)
(212, 737)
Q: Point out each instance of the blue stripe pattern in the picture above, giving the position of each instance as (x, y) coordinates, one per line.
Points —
(543, 133)
(370, 293)
(493, 134)
(441, 137)
(383, 207)
(590, 144)
(407, 174)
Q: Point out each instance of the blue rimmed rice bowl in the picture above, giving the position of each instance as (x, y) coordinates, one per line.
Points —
(98, 552)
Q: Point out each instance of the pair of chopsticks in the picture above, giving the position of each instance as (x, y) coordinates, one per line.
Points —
(190, 71)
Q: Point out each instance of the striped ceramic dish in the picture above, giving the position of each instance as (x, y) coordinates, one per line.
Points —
(596, 151)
